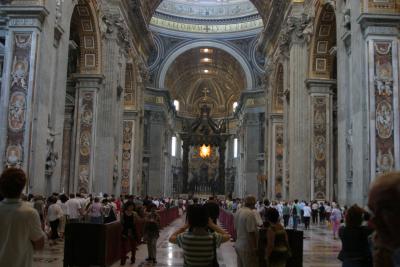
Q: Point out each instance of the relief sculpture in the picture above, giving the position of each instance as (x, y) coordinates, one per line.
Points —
(126, 156)
(16, 111)
(384, 115)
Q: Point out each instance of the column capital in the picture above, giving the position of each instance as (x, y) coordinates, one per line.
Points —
(25, 16)
(320, 86)
(88, 81)
(378, 24)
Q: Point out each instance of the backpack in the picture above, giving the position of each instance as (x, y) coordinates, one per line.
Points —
(294, 211)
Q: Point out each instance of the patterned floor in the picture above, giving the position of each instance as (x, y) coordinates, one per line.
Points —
(320, 250)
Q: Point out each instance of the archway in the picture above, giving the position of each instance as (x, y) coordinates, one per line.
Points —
(205, 44)
(83, 60)
(323, 93)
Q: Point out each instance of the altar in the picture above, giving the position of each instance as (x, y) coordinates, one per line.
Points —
(204, 144)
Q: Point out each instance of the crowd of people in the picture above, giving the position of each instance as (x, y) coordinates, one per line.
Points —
(370, 236)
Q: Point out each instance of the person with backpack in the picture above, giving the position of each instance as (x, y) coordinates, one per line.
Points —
(321, 212)
(295, 214)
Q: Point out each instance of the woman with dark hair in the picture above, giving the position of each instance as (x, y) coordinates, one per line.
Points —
(198, 244)
(277, 241)
(129, 235)
(355, 246)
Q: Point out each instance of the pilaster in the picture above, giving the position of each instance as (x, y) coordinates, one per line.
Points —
(321, 127)
(20, 130)
(87, 91)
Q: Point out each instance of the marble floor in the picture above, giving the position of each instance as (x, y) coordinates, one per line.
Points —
(320, 250)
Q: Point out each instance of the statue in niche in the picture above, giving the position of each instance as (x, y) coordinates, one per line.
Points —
(115, 171)
(349, 148)
(51, 156)
(347, 15)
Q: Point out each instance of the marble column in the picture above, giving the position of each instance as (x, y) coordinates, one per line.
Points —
(87, 90)
(23, 130)
(299, 129)
(108, 109)
(321, 168)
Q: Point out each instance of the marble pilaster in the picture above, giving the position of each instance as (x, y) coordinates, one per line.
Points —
(321, 167)
(87, 90)
(22, 128)
(276, 157)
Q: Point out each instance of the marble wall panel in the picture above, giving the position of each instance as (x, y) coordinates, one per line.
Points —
(319, 146)
(383, 81)
(86, 140)
(278, 160)
(127, 156)
(19, 94)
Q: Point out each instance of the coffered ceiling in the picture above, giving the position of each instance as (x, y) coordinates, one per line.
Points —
(213, 77)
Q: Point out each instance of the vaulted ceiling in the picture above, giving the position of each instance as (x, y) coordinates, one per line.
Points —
(214, 78)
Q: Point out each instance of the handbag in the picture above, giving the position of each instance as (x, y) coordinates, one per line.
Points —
(215, 260)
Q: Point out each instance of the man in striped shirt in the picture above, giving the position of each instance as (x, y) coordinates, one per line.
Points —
(195, 239)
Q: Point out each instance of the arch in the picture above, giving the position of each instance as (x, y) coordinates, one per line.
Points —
(86, 23)
(211, 44)
(322, 62)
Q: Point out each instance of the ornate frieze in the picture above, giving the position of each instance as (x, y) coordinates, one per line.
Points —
(86, 139)
(319, 146)
(278, 160)
(19, 100)
(127, 156)
(383, 90)
(296, 30)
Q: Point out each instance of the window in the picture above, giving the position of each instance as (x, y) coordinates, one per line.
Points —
(173, 146)
(235, 105)
(176, 105)
(235, 148)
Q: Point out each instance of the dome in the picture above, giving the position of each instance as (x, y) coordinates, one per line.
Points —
(207, 16)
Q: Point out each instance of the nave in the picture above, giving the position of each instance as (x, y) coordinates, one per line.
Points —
(320, 250)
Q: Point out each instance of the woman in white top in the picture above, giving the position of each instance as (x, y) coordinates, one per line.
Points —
(54, 214)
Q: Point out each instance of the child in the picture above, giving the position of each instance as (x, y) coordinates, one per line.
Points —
(152, 232)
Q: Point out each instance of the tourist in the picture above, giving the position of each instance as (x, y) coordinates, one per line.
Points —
(74, 209)
(198, 244)
(246, 234)
(296, 211)
(21, 231)
(108, 211)
(384, 199)
(63, 220)
(54, 214)
(94, 211)
(213, 209)
(355, 246)
(314, 212)
(152, 232)
(335, 219)
(39, 206)
(277, 251)
(129, 235)
(286, 214)
(321, 212)
(307, 216)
